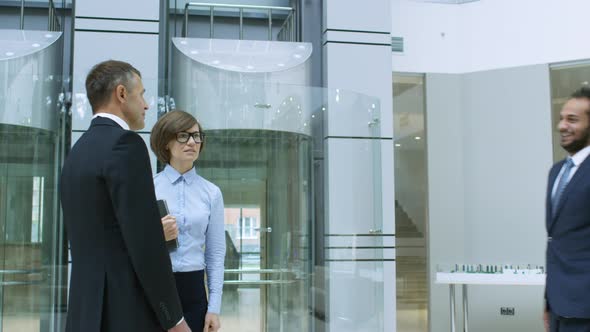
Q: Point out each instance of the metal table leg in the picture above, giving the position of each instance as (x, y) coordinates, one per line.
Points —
(465, 310)
(452, 297)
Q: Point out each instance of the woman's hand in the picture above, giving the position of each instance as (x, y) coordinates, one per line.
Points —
(170, 228)
(211, 322)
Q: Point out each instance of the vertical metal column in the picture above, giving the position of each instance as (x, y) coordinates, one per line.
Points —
(211, 9)
(241, 23)
(50, 16)
(185, 27)
(465, 309)
(292, 26)
(270, 24)
(452, 296)
(22, 14)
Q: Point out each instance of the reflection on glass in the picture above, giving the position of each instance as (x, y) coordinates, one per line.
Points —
(410, 202)
(27, 233)
(32, 290)
(258, 150)
(565, 79)
(264, 176)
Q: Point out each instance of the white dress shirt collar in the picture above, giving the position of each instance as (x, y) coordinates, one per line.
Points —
(113, 117)
(580, 156)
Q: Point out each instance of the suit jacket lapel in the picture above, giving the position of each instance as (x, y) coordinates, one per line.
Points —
(552, 177)
(574, 181)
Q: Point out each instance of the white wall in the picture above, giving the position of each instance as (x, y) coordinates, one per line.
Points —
(489, 151)
(446, 229)
(431, 37)
(488, 34)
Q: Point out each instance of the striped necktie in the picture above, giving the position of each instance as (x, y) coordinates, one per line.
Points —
(563, 181)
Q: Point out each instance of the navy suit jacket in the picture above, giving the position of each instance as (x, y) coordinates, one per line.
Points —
(121, 278)
(568, 247)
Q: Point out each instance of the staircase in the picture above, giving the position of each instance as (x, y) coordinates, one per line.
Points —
(404, 226)
(411, 281)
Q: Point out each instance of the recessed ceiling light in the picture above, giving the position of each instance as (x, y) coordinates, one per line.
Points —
(297, 56)
(417, 138)
(36, 45)
(397, 144)
(249, 67)
(215, 62)
(281, 65)
(585, 83)
(9, 53)
(48, 35)
(301, 47)
(194, 52)
(183, 42)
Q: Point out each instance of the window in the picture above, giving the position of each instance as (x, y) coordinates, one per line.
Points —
(247, 227)
(37, 209)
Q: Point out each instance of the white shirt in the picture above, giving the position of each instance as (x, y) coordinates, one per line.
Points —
(578, 159)
(113, 117)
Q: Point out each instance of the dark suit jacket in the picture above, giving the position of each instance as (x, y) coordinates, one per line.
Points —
(568, 246)
(121, 274)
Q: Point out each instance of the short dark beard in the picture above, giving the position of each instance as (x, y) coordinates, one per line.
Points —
(578, 144)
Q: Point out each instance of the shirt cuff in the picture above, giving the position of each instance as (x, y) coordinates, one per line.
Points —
(214, 304)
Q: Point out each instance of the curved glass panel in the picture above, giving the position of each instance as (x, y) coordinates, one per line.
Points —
(265, 177)
(31, 287)
(272, 149)
(247, 56)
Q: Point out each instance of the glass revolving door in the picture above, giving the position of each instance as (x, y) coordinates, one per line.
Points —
(27, 228)
(32, 286)
(265, 178)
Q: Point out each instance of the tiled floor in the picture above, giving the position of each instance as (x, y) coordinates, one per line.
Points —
(20, 324)
(412, 320)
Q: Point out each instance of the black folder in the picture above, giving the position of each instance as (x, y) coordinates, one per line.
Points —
(163, 208)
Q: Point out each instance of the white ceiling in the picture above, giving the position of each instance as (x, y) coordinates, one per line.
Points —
(452, 2)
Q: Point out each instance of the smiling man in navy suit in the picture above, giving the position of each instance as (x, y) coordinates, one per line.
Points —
(567, 292)
(121, 278)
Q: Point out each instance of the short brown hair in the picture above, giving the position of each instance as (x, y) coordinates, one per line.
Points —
(166, 129)
(104, 77)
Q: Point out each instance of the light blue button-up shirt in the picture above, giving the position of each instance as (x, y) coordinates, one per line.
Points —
(197, 205)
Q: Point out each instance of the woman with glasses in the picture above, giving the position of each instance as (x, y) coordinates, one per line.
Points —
(195, 220)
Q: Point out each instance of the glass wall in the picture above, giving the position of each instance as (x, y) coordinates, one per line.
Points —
(32, 283)
(287, 263)
(565, 79)
(265, 177)
(411, 222)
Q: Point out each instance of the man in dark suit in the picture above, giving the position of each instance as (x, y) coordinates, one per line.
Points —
(121, 278)
(567, 292)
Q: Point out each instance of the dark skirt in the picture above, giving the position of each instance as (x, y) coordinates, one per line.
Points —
(191, 290)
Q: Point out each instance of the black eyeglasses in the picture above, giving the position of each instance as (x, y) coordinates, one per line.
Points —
(183, 137)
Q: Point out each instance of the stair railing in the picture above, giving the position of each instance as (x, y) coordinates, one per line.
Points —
(286, 32)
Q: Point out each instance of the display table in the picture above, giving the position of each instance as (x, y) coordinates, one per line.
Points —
(464, 279)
